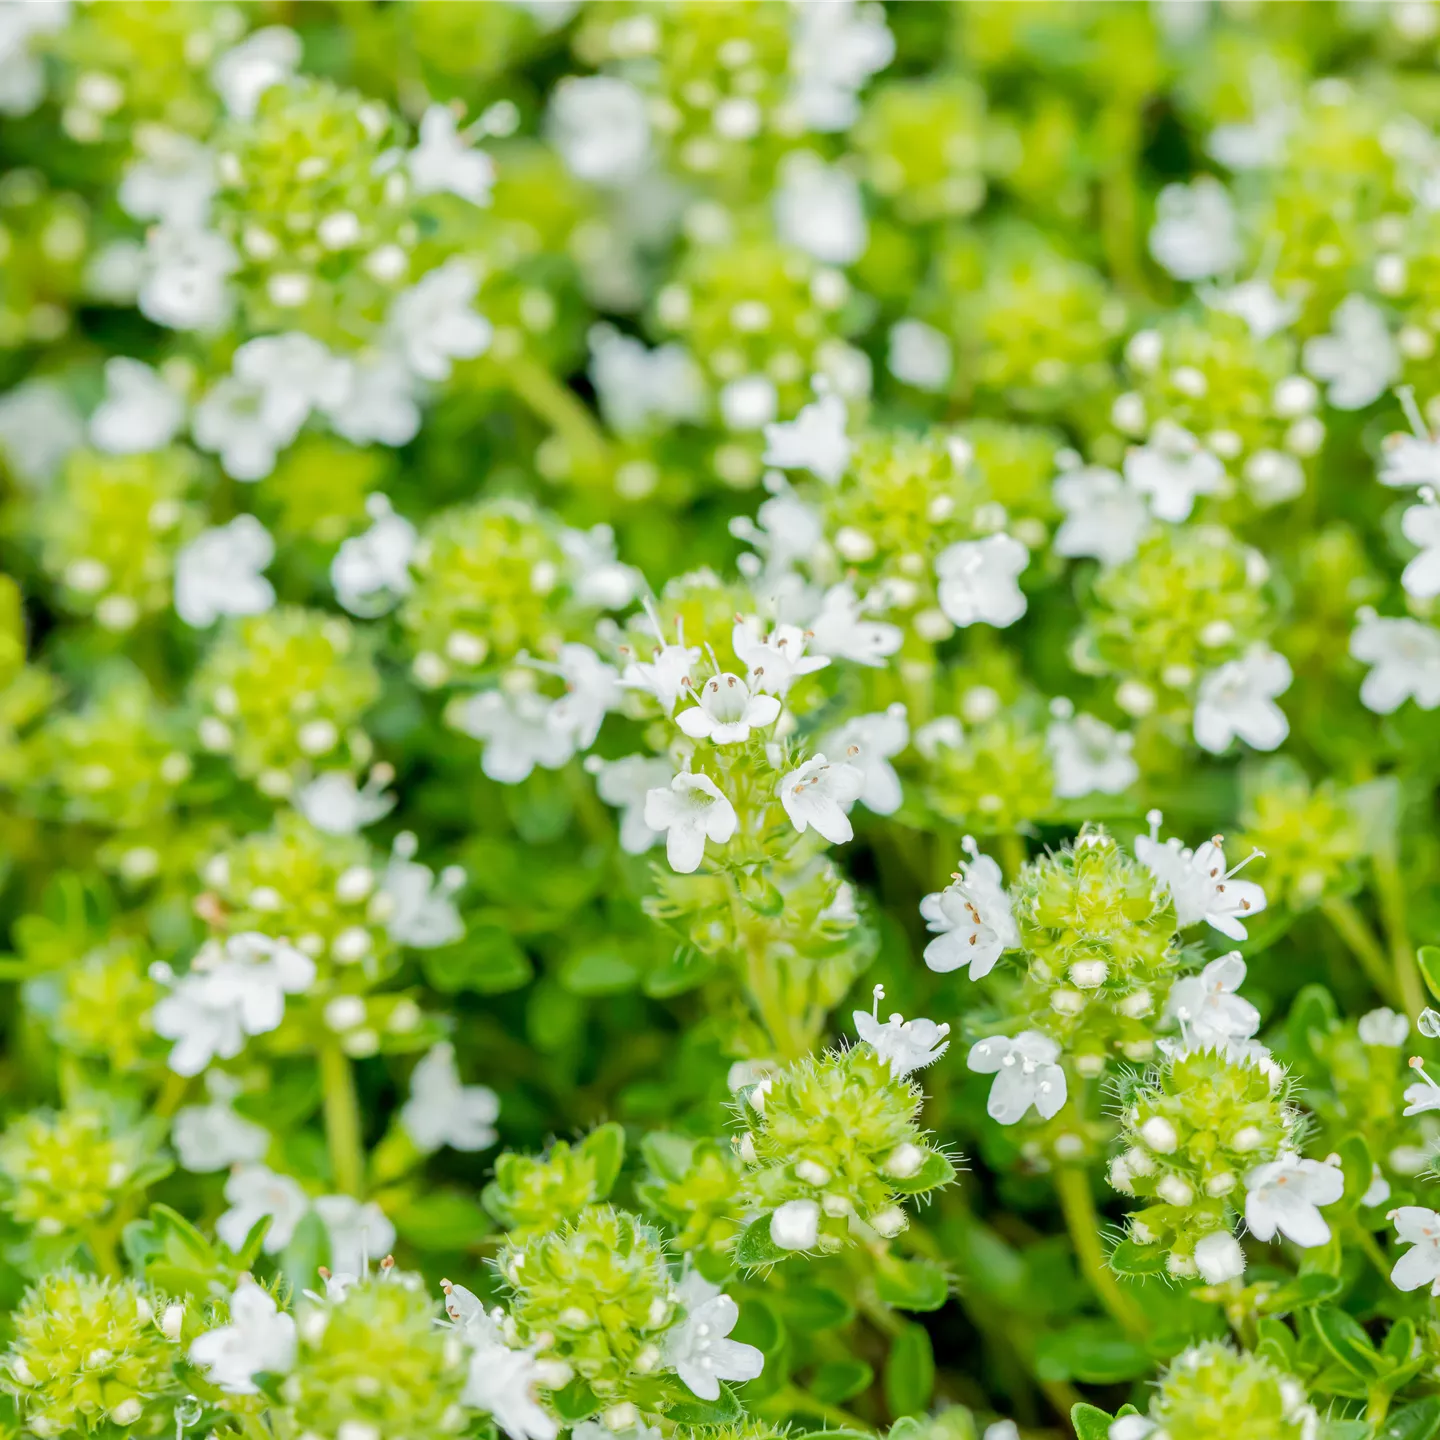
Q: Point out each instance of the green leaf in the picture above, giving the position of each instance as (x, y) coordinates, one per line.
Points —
(1128, 1258)
(603, 970)
(910, 1372)
(575, 1402)
(1090, 1423)
(1302, 1292)
(1312, 1012)
(838, 1380)
(683, 971)
(1429, 958)
(937, 1170)
(724, 1411)
(487, 961)
(1343, 1336)
(755, 1248)
(1358, 1168)
(1419, 1421)
(911, 1284)
(442, 1220)
(1096, 1352)
(809, 1308)
(668, 1156)
(605, 1146)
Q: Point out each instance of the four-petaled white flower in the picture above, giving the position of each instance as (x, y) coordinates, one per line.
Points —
(1199, 884)
(371, 572)
(292, 374)
(1237, 701)
(260, 1338)
(592, 690)
(140, 411)
(840, 630)
(244, 73)
(597, 576)
(979, 581)
(1025, 1072)
(640, 389)
(422, 912)
(696, 1347)
(601, 127)
(818, 209)
(504, 1383)
(1195, 234)
(1105, 516)
(444, 161)
(814, 440)
(1090, 757)
(218, 573)
(1410, 460)
(334, 803)
(1383, 1026)
(519, 731)
(690, 810)
(725, 711)
(1207, 1007)
(380, 403)
(904, 1045)
(443, 1111)
(624, 784)
(774, 661)
(1421, 527)
(432, 324)
(1171, 470)
(255, 1193)
(1358, 359)
(667, 673)
(1256, 303)
(171, 178)
(1419, 1228)
(1285, 1196)
(971, 918)
(213, 1137)
(1405, 656)
(818, 793)
(184, 277)
(357, 1232)
(869, 743)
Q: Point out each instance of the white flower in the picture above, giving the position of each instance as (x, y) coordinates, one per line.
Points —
(39, 428)
(592, 690)
(600, 127)
(170, 179)
(443, 1111)
(979, 581)
(725, 711)
(774, 661)
(259, 1338)
(641, 389)
(1383, 1027)
(971, 918)
(140, 411)
(1285, 1195)
(228, 994)
(1237, 701)
(795, 1225)
(1424, 1095)
(919, 355)
(1218, 1257)
(818, 793)
(834, 49)
(422, 912)
(444, 161)
(243, 74)
(519, 731)
(1207, 1007)
(218, 573)
(1409, 460)
(1405, 655)
(1358, 359)
(255, 1193)
(597, 577)
(183, 282)
(748, 403)
(1090, 757)
(294, 374)
(22, 74)
(697, 1349)
(230, 421)
(1420, 1228)
(1379, 1191)
(335, 804)
(690, 810)
(1171, 470)
(213, 1137)
(667, 673)
(1199, 884)
(624, 784)
(1421, 526)
(503, 1382)
(818, 209)
(1256, 303)
(1131, 1427)
(869, 743)
(356, 1232)
(432, 323)
(1025, 1074)
(1194, 235)
(904, 1045)
(1104, 516)
(839, 630)
(814, 440)
(371, 572)
(1256, 143)
(379, 405)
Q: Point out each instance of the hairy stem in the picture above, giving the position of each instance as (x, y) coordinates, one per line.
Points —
(1083, 1221)
(342, 1119)
(1348, 923)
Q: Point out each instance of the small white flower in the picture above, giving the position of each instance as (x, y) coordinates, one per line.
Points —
(641, 389)
(1090, 757)
(1025, 1074)
(971, 919)
(774, 661)
(379, 406)
(422, 913)
(979, 581)
(1199, 884)
(795, 1225)
(667, 673)
(818, 793)
(1405, 656)
(1256, 303)
(840, 630)
(624, 784)
(1424, 1095)
(520, 732)
(697, 1349)
(601, 128)
(184, 277)
(1421, 526)
(213, 1137)
(443, 1111)
(869, 743)
(1410, 460)
(22, 73)
(1237, 701)
(254, 1193)
(1285, 1196)
(815, 440)
(39, 428)
(1104, 516)
(749, 403)
(1383, 1027)
(230, 421)
(834, 50)
(218, 573)
(293, 374)
(504, 1382)
(1253, 144)
(725, 711)
(597, 577)
(444, 161)
(170, 179)
(1379, 1191)
(243, 74)
(259, 1338)
(1195, 234)
(140, 412)
(1218, 1257)
(1171, 470)
(904, 1045)
(919, 355)
(433, 325)
(1131, 1427)
(690, 810)
(1207, 1007)
(371, 572)
(1420, 1228)
(356, 1232)
(1358, 359)
(335, 804)
(818, 209)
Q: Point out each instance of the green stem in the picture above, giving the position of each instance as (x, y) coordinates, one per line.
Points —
(559, 407)
(1390, 886)
(342, 1119)
(101, 1240)
(1012, 853)
(762, 974)
(1373, 1252)
(1083, 1221)
(1120, 200)
(1350, 926)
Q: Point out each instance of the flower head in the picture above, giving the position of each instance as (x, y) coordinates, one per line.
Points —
(971, 918)
(1172, 470)
(906, 1045)
(818, 793)
(1237, 701)
(979, 581)
(725, 711)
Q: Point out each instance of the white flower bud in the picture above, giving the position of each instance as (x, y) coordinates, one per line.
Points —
(1218, 1257)
(1175, 1191)
(1248, 1137)
(1221, 1184)
(795, 1225)
(903, 1161)
(172, 1320)
(889, 1223)
(812, 1173)
(1159, 1134)
(127, 1412)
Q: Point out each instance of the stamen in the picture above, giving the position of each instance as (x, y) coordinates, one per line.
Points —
(1405, 394)
(877, 995)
